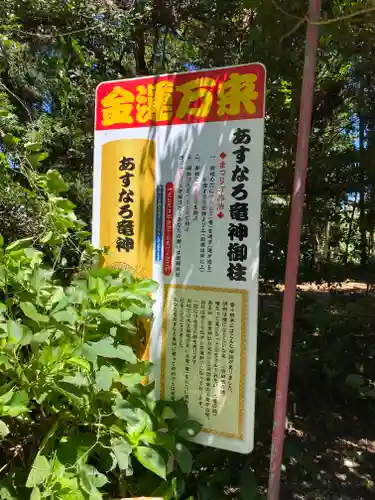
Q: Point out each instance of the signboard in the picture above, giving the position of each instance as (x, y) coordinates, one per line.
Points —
(177, 193)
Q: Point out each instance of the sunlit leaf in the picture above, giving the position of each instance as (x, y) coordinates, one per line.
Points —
(122, 450)
(152, 460)
(40, 470)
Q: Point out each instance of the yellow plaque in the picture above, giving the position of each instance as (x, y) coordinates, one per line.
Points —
(127, 193)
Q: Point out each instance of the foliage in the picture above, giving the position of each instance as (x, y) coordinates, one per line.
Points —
(76, 419)
(52, 56)
(74, 414)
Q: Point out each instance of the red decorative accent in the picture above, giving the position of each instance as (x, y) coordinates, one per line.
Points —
(220, 215)
(223, 155)
(168, 228)
(219, 75)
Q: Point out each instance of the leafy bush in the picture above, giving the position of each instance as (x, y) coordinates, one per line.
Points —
(77, 418)
(74, 414)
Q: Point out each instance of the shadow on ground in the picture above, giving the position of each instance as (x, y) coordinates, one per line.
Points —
(330, 444)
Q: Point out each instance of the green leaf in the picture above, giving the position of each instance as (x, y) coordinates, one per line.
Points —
(181, 410)
(78, 379)
(67, 316)
(33, 146)
(104, 348)
(104, 378)
(168, 413)
(130, 379)
(17, 405)
(10, 139)
(184, 458)
(19, 244)
(248, 485)
(111, 315)
(64, 203)
(5, 493)
(140, 310)
(122, 450)
(162, 439)
(4, 430)
(47, 237)
(90, 480)
(83, 363)
(41, 337)
(1, 241)
(146, 286)
(30, 311)
(127, 354)
(152, 460)
(36, 158)
(35, 494)
(7, 396)
(55, 182)
(40, 470)
(4, 362)
(189, 429)
(14, 331)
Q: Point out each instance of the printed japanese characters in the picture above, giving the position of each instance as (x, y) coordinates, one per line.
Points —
(177, 191)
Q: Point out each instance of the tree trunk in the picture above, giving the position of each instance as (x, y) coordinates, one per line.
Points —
(350, 230)
(327, 238)
(362, 207)
(140, 51)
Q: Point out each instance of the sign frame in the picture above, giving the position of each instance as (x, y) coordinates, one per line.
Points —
(243, 440)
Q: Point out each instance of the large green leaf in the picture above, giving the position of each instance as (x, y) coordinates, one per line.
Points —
(40, 470)
(4, 430)
(55, 182)
(35, 494)
(14, 331)
(184, 458)
(111, 315)
(180, 409)
(152, 460)
(126, 353)
(91, 480)
(67, 316)
(19, 244)
(130, 379)
(122, 450)
(78, 379)
(104, 348)
(17, 404)
(146, 286)
(136, 418)
(104, 378)
(33, 146)
(189, 429)
(31, 312)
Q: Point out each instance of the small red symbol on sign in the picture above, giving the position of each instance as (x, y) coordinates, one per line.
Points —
(220, 215)
(223, 155)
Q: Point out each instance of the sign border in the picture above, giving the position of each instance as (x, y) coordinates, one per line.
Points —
(244, 308)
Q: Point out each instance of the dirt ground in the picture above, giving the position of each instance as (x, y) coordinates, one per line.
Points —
(330, 440)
